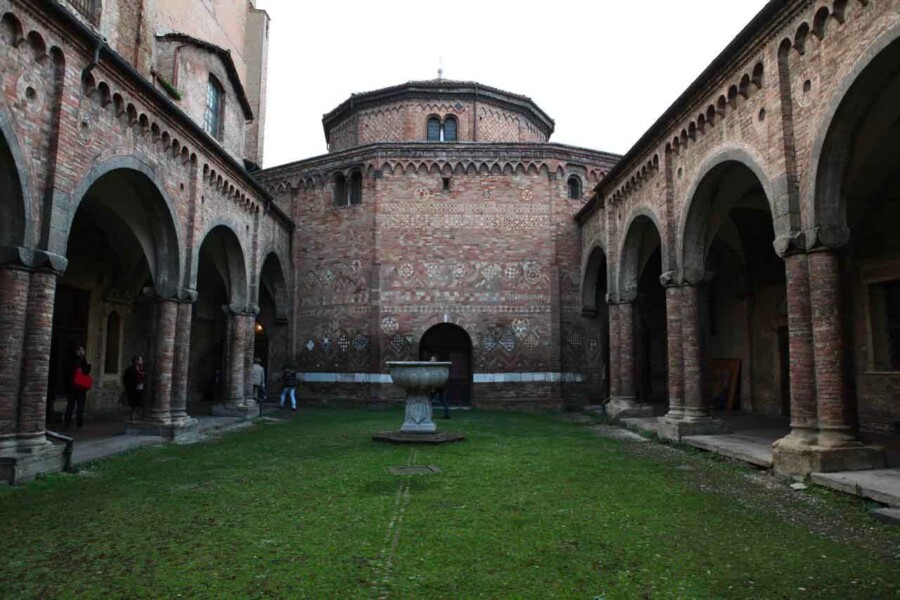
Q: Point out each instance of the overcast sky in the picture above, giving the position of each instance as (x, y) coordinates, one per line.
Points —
(603, 70)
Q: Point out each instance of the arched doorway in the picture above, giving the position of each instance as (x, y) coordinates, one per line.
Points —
(729, 238)
(271, 343)
(123, 252)
(451, 343)
(222, 332)
(594, 307)
(857, 201)
(640, 282)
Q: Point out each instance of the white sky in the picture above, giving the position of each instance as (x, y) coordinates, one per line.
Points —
(603, 70)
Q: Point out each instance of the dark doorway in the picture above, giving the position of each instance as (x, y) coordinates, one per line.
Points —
(451, 343)
(70, 324)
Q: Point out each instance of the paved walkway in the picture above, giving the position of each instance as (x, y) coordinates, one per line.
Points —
(751, 440)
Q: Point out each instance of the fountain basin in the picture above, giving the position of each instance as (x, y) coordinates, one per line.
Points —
(419, 379)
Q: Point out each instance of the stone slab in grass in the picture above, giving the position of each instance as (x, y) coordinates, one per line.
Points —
(414, 470)
(407, 437)
(887, 515)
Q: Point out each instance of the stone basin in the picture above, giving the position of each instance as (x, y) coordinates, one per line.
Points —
(419, 379)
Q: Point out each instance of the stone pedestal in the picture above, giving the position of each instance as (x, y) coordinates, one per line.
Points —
(624, 407)
(170, 431)
(674, 429)
(796, 457)
(19, 466)
(419, 379)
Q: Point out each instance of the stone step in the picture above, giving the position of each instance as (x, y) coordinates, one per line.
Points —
(755, 453)
(880, 485)
(887, 515)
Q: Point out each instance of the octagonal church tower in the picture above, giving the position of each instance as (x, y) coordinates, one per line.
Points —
(441, 223)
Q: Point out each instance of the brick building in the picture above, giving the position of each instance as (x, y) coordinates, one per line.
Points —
(751, 231)
(129, 222)
(441, 222)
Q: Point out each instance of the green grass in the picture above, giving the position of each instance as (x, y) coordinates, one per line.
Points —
(529, 506)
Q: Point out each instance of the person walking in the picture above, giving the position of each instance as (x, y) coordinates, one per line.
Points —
(288, 386)
(134, 379)
(79, 382)
(259, 380)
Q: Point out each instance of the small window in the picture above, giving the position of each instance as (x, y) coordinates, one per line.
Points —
(574, 184)
(434, 129)
(446, 184)
(113, 335)
(90, 9)
(356, 188)
(340, 190)
(215, 96)
(884, 313)
(450, 129)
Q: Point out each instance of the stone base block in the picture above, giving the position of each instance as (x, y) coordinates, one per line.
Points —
(16, 468)
(676, 430)
(228, 410)
(797, 460)
(169, 431)
(624, 407)
(404, 437)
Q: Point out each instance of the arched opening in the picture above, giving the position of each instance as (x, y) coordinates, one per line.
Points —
(450, 128)
(433, 129)
(858, 187)
(339, 195)
(271, 342)
(122, 248)
(221, 284)
(640, 279)
(596, 310)
(451, 343)
(574, 187)
(729, 238)
(12, 208)
(356, 184)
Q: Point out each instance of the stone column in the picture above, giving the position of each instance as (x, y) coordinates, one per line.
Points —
(840, 448)
(235, 401)
(675, 348)
(249, 353)
(696, 416)
(36, 361)
(625, 404)
(614, 387)
(787, 451)
(181, 368)
(14, 285)
(163, 363)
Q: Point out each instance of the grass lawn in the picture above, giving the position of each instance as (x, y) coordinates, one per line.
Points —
(529, 506)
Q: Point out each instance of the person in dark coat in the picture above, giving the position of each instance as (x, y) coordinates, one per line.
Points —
(77, 397)
(134, 379)
(440, 394)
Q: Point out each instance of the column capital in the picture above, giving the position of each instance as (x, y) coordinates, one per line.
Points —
(826, 238)
(793, 242)
(240, 310)
(685, 277)
(29, 258)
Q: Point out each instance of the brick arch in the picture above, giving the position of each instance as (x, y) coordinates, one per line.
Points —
(236, 262)
(595, 263)
(691, 241)
(16, 210)
(826, 214)
(629, 268)
(272, 273)
(159, 236)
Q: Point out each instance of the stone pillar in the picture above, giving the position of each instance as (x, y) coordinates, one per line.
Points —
(625, 404)
(163, 362)
(236, 393)
(14, 284)
(696, 416)
(36, 361)
(802, 371)
(181, 368)
(840, 446)
(614, 387)
(675, 348)
(249, 354)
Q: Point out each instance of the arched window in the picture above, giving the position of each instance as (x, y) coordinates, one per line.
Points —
(113, 335)
(215, 100)
(450, 129)
(340, 190)
(434, 129)
(355, 188)
(574, 184)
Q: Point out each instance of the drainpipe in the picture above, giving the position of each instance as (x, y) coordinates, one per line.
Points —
(96, 58)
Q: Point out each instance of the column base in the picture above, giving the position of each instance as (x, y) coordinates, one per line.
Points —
(674, 430)
(624, 407)
(171, 431)
(232, 410)
(795, 456)
(22, 465)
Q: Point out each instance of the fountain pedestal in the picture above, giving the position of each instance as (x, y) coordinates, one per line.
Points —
(419, 379)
